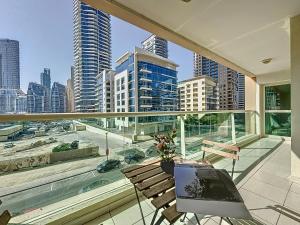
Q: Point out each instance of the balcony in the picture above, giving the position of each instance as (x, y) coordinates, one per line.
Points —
(52, 186)
(47, 181)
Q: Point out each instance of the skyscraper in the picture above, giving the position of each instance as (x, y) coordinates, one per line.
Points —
(156, 45)
(205, 66)
(231, 93)
(9, 64)
(228, 88)
(46, 78)
(92, 52)
(241, 91)
(37, 98)
(70, 92)
(58, 98)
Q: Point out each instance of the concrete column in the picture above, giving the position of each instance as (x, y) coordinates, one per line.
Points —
(254, 100)
(295, 93)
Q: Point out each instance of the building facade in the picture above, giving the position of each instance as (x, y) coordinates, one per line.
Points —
(92, 52)
(70, 92)
(145, 82)
(58, 98)
(9, 64)
(228, 88)
(231, 92)
(45, 78)
(156, 45)
(205, 66)
(198, 94)
(12, 101)
(105, 91)
(70, 96)
(37, 98)
(241, 91)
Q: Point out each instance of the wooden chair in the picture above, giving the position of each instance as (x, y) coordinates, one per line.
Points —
(4, 217)
(230, 152)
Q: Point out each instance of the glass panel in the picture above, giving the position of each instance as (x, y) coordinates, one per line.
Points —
(278, 97)
(278, 114)
(42, 164)
(278, 124)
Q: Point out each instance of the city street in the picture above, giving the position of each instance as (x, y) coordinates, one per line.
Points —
(37, 187)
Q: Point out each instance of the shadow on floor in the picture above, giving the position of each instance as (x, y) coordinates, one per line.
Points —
(286, 212)
(255, 163)
(245, 222)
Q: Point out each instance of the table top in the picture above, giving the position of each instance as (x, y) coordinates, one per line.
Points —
(157, 185)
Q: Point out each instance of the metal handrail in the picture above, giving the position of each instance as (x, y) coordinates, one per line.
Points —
(278, 111)
(60, 116)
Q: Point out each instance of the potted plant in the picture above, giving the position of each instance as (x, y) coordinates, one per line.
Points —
(165, 146)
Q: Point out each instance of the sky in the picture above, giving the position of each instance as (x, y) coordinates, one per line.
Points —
(44, 29)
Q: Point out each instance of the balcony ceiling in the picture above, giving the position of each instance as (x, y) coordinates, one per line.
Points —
(242, 31)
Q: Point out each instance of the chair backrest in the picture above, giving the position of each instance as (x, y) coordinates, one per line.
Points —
(4, 217)
(231, 151)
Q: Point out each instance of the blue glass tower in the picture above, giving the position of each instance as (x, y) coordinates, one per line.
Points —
(92, 52)
(145, 82)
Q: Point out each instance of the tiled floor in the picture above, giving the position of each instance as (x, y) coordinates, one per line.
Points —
(268, 193)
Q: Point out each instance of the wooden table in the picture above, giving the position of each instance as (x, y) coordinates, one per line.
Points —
(157, 185)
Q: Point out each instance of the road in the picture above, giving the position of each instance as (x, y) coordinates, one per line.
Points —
(34, 188)
(44, 195)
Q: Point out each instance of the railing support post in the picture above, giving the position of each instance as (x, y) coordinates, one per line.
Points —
(233, 128)
(182, 136)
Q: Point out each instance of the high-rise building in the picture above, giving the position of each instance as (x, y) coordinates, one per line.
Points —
(12, 101)
(37, 98)
(228, 88)
(92, 52)
(105, 91)
(205, 66)
(156, 45)
(58, 98)
(45, 78)
(105, 96)
(198, 94)
(241, 91)
(70, 92)
(145, 82)
(231, 93)
(9, 64)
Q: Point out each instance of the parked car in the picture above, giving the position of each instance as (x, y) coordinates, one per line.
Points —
(134, 157)
(108, 165)
(9, 145)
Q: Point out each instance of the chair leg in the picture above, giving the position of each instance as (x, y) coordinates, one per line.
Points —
(221, 221)
(160, 220)
(154, 217)
(232, 171)
(182, 220)
(141, 210)
(229, 221)
(197, 219)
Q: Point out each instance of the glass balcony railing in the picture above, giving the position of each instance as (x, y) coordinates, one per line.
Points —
(50, 158)
(220, 127)
(278, 122)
